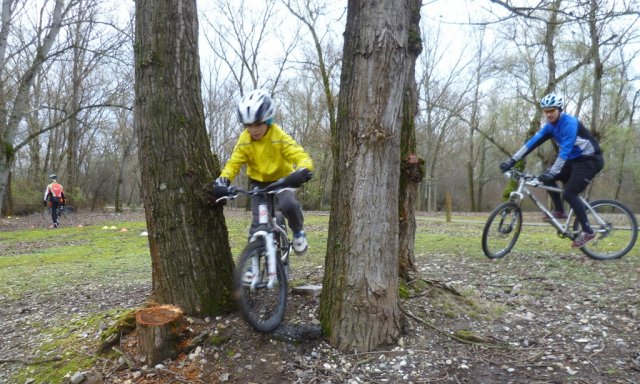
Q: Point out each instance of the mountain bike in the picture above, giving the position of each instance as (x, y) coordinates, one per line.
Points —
(65, 213)
(615, 225)
(261, 275)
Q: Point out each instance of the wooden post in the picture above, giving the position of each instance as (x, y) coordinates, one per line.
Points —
(158, 330)
(447, 202)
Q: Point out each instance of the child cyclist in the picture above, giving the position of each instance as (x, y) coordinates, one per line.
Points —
(269, 154)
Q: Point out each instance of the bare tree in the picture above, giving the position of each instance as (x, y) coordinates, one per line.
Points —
(440, 102)
(243, 39)
(15, 100)
(308, 12)
(190, 254)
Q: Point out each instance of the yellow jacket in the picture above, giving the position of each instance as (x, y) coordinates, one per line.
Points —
(272, 157)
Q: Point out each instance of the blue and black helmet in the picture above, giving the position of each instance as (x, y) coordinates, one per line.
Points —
(552, 101)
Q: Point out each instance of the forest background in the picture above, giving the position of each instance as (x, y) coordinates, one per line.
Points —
(66, 91)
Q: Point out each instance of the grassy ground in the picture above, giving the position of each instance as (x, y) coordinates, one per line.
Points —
(84, 273)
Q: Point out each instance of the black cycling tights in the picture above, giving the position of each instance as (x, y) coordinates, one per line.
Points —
(576, 176)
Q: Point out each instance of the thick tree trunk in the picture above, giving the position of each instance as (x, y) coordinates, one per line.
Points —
(191, 259)
(359, 306)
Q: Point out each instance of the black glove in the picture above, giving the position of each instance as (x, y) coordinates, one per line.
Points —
(220, 191)
(507, 165)
(44, 203)
(222, 182)
(299, 177)
(546, 177)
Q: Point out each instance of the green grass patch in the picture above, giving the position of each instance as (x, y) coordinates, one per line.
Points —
(66, 349)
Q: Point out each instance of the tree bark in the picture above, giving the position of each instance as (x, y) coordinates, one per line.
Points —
(191, 259)
(359, 307)
(412, 165)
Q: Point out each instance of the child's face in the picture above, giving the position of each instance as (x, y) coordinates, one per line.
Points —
(256, 130)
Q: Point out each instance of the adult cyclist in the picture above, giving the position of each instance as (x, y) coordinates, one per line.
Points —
(579, 160)
(54, 194)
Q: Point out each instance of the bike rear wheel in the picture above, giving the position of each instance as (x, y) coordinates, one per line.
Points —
(616, 228)
(501, 230)
(263, 308)
(46, 213)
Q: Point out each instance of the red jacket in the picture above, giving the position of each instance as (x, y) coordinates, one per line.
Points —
(54, 190)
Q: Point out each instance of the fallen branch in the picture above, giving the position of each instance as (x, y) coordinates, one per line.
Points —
(30, 362)
(125, 357)
(438, 284)
(468, 340)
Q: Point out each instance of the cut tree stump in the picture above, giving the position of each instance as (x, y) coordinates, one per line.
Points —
(158, 329)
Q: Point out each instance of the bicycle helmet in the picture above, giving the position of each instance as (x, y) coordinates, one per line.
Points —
(53, 176)
(256, 107)
(552, 101)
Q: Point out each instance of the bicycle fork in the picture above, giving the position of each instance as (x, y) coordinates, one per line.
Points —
(263, 219)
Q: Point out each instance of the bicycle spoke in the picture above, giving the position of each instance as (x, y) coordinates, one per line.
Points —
(501, 230)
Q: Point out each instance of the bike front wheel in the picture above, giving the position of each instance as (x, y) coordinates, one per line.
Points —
(501, 230)
(616, 230)
(263, 307)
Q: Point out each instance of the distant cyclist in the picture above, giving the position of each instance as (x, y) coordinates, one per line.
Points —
(55, 195)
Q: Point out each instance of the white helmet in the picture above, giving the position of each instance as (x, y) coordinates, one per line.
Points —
(552, 101)
(256, 107)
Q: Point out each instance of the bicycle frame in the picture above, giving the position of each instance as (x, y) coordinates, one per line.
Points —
(526, 180)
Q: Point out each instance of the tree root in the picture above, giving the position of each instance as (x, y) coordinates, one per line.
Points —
(464, 337)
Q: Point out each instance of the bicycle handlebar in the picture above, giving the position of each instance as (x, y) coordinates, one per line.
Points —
(232, 192)
(292, 181)
(528, 177)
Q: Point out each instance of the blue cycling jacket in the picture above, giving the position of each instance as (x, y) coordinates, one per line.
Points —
(573, 138)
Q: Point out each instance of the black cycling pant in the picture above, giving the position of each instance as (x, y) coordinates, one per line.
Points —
(576, 176)
(55, 204)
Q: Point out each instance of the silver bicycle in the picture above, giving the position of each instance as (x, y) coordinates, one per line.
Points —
(615, 225)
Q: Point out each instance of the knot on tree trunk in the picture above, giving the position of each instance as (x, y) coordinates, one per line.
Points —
(413, 167)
